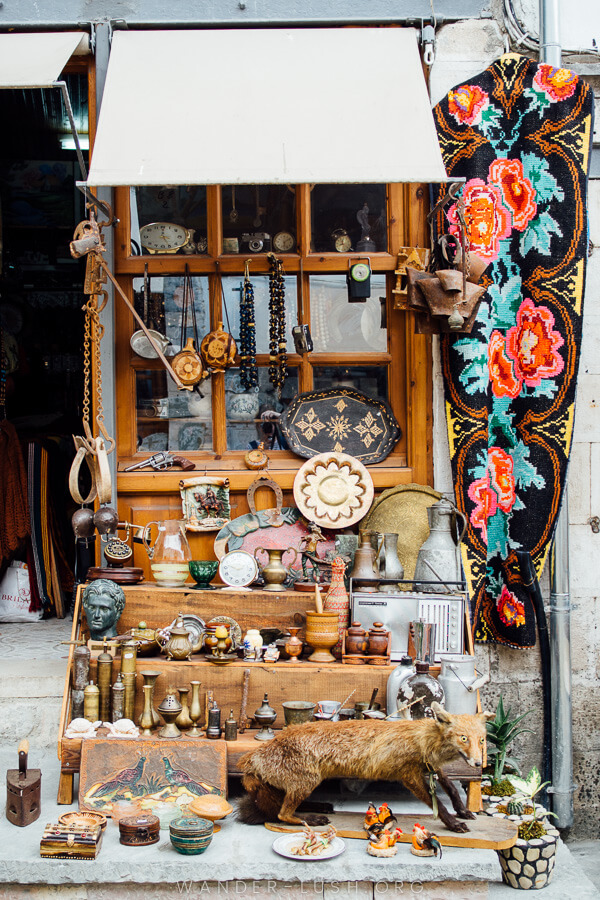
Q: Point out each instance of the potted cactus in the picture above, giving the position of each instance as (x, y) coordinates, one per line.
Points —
(501, 731)
(529, 864)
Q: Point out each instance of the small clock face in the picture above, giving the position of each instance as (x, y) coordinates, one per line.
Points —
(360, 271)
(283, 242)
(341, 241)
(163, 237)
(238, 568)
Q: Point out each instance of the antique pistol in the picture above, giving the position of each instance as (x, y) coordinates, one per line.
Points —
(163, 460)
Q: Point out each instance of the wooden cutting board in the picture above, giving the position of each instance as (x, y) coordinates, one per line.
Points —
(485, 832)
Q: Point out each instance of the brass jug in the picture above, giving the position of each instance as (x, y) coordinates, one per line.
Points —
(274, 573)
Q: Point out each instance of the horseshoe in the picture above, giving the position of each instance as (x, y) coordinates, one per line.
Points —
(263, 481)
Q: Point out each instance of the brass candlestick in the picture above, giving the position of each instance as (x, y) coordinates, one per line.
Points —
(183, 720)
(195, 710)
(150, 677)
(147, 719)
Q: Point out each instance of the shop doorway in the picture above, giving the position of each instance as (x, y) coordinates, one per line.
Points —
(41, 319)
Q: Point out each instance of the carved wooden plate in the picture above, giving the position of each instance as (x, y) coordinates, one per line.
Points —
(334, 490)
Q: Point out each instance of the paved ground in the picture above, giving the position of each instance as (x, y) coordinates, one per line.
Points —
(240, 860)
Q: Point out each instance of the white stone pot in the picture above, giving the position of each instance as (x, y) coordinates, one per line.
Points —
(529, 864)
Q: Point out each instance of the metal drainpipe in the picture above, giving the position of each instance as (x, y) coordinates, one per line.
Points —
(560, 596)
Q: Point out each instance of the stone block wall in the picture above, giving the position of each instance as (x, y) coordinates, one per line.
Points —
(463, 50)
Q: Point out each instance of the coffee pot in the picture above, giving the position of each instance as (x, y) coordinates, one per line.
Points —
(439, 556)
(365, 565)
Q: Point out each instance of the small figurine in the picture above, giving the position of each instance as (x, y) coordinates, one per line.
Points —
(424, 843)
(383, 843)
(371, 817)
(314, 842)
(271, 653)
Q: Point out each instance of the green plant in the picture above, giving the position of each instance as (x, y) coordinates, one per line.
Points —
(514, 808)
(501, 731)
(529, 787)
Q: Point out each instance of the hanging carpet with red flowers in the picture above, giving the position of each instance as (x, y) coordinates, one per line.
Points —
(520, 133)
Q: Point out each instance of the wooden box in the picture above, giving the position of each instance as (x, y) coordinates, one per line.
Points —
(59, 842)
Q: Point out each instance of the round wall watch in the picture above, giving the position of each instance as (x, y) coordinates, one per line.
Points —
(283, 242)
(164, 237)
(238, 569)
(342, 241)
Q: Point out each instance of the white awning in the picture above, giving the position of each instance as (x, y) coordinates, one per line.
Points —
(265, 106)
(35, 60)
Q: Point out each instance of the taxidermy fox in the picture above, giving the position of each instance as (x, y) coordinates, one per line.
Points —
(284, 772)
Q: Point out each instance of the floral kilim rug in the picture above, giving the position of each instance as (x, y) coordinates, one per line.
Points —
(521, 135)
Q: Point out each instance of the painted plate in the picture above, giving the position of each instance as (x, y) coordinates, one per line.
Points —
(251, 531)
(287, 842)
(343, 420)
(334, 490)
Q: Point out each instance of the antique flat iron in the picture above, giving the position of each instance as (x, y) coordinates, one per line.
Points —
(23, 788)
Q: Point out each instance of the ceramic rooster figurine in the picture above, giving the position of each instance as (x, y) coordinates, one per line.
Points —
(371, 817)
(383, 843)
(125, 780)
(424, 843)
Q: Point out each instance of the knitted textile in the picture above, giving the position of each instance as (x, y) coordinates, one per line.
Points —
(520, 133)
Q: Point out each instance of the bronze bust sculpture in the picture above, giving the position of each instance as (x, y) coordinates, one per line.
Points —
(103, 602)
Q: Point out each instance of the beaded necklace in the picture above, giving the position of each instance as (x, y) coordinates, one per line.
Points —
(248, 370)
(277, 341)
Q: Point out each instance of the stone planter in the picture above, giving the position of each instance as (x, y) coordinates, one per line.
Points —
(529, 864)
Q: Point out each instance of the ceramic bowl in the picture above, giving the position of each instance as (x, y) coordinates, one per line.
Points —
(295, 712)
(328, 709)
(190, 835)
(203, 571)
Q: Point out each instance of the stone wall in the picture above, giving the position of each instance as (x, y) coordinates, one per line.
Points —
(463, 50)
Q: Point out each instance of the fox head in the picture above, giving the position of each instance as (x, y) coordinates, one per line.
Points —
(466, 734)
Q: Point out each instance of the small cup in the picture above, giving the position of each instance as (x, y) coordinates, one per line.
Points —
(295, 712)
(329, 710)
(348, 713)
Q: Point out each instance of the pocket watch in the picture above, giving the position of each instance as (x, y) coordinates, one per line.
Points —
(164, 237)
(283, 242)
(238, 568)
(341, 240)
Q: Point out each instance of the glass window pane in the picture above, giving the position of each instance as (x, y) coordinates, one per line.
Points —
(371, 380)
(340, 326)
(248, 419)
(232, 287)
(168, 419)
(164, 311)
(253, 215)
(343, 215)
(183, 205)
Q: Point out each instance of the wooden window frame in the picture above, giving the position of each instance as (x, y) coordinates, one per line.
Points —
(409, 354)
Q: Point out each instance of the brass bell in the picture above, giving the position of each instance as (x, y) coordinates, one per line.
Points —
(455, 320)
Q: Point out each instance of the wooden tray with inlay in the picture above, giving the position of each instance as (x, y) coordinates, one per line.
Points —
(485, 832)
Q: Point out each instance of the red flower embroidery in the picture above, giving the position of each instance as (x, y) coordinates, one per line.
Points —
(501, 468)
(487, 220)
(510, 609)
(518, 192)
(500, 368)
(557, 84)
(467, 103)
(485, 502)
(533, 344)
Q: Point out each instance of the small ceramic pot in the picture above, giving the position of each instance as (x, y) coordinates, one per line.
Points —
(294, 646)
(529, 865)
(295, 712)
(190, 835)
(356, 640)
(378, 639)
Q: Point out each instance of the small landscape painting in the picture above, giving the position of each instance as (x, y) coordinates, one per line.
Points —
(149, 772)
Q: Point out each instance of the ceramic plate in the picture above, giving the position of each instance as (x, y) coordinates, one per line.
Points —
(284, 844)
(333, 490)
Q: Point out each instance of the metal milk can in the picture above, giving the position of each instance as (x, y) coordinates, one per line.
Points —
(439, 556)
(461, 682)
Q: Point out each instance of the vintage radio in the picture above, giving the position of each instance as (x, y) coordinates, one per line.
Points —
(397, 610)
(60, 842)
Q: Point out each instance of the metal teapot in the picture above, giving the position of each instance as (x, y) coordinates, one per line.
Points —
(439, 556)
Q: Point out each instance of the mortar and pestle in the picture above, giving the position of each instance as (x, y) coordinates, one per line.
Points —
(321, 631)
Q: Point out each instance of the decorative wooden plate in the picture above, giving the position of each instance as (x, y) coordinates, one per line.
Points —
(342, 420)
(403, 510)
(334, 490)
